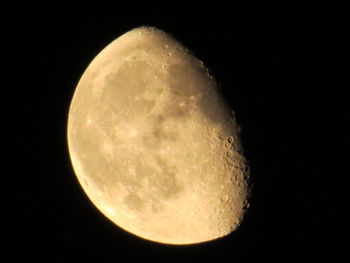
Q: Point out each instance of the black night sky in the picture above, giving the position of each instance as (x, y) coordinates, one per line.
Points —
(285, 78)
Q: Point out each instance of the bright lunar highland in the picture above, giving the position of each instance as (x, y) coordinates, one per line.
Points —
(154, 144)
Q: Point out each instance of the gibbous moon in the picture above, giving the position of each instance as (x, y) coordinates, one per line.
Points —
(154, 145)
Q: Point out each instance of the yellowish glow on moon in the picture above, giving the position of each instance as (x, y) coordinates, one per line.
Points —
(153, 144)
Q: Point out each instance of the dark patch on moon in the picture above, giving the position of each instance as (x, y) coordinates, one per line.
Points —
(182, 80)
(211, 107)
(177, 109)
(188, 84)
(165, 182)
(129, 83)
(159, 133)
(133, 201)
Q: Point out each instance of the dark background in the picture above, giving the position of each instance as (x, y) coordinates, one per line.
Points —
(286, 79)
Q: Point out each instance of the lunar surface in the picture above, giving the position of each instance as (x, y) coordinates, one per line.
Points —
(153, 143)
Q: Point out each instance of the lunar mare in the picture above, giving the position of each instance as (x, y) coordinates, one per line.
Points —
(154, 145)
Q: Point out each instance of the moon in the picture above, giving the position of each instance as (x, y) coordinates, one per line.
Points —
(154, 144)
